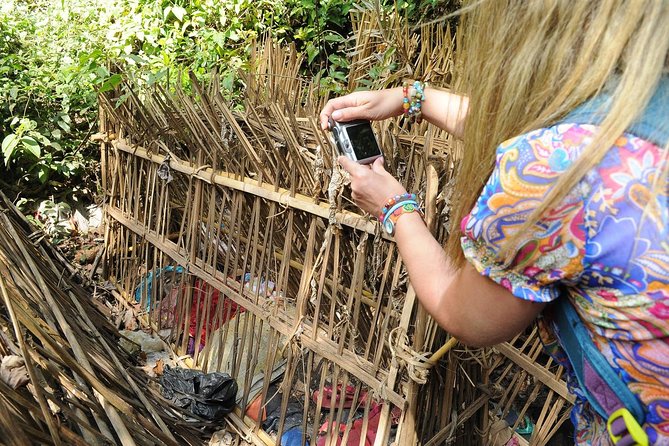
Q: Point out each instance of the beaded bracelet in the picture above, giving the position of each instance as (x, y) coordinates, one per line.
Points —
(396, 206)
(412, 103)
(392, 201)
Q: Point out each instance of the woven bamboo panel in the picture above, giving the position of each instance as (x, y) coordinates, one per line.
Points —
(222, 209)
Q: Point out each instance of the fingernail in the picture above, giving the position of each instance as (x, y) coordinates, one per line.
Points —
(336, 114)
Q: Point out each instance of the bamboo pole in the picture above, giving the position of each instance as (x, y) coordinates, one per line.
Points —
(251, 186)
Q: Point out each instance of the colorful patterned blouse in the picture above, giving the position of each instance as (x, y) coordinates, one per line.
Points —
(597, 248)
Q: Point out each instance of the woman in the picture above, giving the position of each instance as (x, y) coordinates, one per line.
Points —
(563, 189)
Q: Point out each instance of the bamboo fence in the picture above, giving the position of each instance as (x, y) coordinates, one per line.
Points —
(250, 202)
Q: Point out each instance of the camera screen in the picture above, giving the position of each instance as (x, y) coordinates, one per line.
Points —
(363, 141)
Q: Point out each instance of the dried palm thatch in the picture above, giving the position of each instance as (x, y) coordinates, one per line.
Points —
(251, 204)
(81, 388)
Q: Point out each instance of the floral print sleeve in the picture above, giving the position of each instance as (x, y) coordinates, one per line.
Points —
(527, 168)
(605, 247)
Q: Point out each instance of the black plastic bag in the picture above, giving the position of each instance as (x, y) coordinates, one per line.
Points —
(209, 396)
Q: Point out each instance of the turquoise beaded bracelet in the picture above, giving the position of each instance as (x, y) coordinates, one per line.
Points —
(395, 207)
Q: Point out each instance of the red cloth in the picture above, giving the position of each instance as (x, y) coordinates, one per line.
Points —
(356, 432)
(213, 321)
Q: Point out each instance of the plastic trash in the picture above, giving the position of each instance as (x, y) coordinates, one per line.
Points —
(133, 341)
(209, 396)
(13, 371)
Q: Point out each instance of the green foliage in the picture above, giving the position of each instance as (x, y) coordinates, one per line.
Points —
(47, 95)
(159, 38)
(56, 55)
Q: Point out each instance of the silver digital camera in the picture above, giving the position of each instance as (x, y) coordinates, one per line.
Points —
(355, 140)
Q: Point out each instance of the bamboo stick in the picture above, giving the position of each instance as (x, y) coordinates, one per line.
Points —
(46, 413)
(115, 419)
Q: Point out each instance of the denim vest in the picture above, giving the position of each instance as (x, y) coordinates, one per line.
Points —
(652, 125)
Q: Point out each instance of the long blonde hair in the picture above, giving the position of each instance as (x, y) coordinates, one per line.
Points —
(526, 64)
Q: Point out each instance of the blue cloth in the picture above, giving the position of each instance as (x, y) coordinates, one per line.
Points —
(148, 283)
(293, 437)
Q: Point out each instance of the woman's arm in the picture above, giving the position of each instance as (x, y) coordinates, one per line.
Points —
(441, 108)
(468, 305)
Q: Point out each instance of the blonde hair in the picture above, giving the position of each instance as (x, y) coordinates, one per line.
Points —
(526, 64)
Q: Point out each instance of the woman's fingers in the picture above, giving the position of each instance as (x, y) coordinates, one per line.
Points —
(377, 166)
(349, 165)
(371, 185)
(334, 108)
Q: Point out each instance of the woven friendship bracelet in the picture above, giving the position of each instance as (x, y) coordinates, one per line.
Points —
(413, 100)
(392, 201)
(396, 207)
(403, 207)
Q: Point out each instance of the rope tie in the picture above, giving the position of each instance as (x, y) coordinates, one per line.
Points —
(164, 171)
(346, 322)
(319, 261)
(319, 163)
(416, 363)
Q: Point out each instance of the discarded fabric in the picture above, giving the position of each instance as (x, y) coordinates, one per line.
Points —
(293, 437)
(133, 341)
(145, 286)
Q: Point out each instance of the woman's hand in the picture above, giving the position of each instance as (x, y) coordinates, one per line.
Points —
(444, 109)
(369, 105)
(371, 185)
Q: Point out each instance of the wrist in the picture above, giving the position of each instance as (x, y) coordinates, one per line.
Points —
(396, 97)
(396, 207)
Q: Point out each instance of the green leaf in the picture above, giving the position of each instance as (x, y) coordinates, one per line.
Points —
(111, 83)
(8, 146)
(312, 52)
(63, 125)
(37, 136)
(43, 174)
(137, 59)
(338, 61)
(179, 13)
(333, 37)
(101, 72)
(155, 77)
(31, 145)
